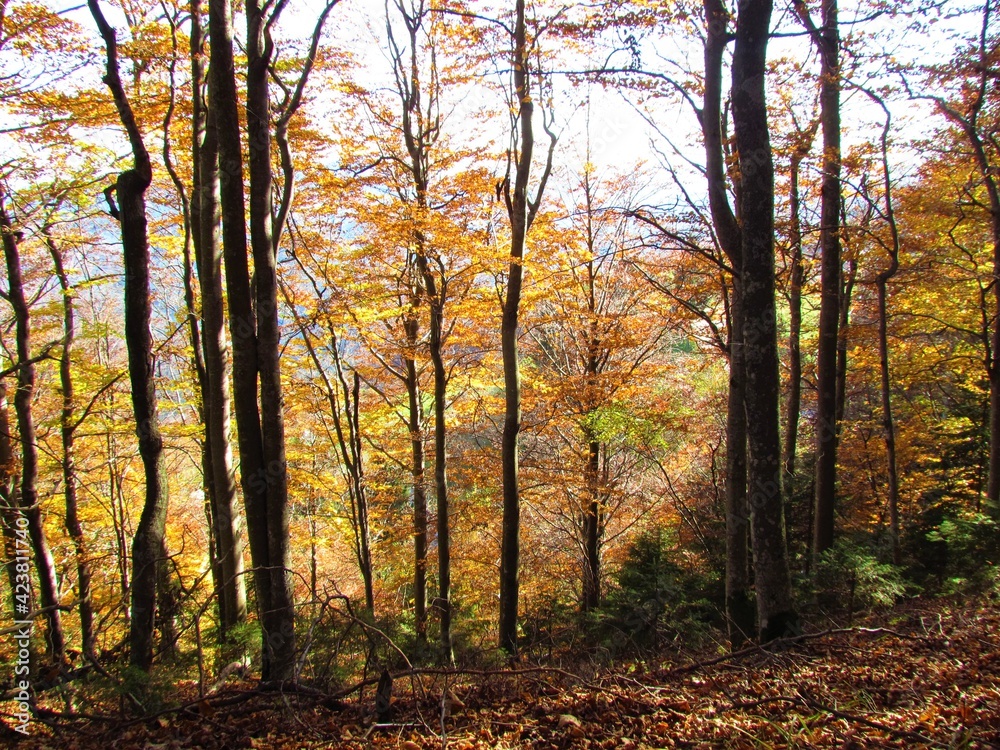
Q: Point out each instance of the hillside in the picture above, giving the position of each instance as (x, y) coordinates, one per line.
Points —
(925, 674)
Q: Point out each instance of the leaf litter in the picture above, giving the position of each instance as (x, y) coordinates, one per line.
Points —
(922, 675)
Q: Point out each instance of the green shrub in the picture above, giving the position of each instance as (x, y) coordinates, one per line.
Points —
(953, 548)
(851, 575)
(655, 598)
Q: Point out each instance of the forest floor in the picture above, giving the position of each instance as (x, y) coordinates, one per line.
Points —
(926, 674)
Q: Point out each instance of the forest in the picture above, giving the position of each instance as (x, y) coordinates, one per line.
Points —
(506, 350)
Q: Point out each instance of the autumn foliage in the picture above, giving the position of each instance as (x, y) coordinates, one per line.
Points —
(448, 311)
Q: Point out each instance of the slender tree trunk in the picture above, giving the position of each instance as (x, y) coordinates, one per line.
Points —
(796, 278)
(827, 41)
(441, 467)
(776, 615)
(148, 542)
(208, 258)
(48, 589)
(420, 125)
(415, 425)
(846, 293)
(881, 284)
(591, 598)
(68, 425)
(517, 201)
(593, 517)
(888, 428)
(352, 450)
(9, 503)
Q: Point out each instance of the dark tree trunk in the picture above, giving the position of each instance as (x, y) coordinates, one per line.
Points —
(417, 477)
(148, 542)
(441, 465)
(517, 206)
(796, 277)
(68, 425)
(827, 42)
(881, 284)
(279, 617)
(221, 477)
(739, 599)
(592, 527)
(421, 126)
(740, 609)
(593, 504)
(253, 329)
(48, 588)
(521, 211)
(776, 616)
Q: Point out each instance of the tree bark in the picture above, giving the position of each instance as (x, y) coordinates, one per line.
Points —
(208, 259)
(518, 213)
(776, 615)
(740, 613)
(253, 330)
(68, 425)
(148, 542)
(882, 284)
(415, 426)
(846, 293)
(48, 588)
(279, 617)
(796, 278)
(827, 42)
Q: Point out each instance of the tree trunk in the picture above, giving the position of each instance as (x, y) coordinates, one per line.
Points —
(148, 542)
(881, 284)
(518, 213)
(420, 128)
(591, 593)
(279, 617)
(741, 614)
(262, 467)
(9, 505)
(208, 259)
(441, 466)
(739, 599)
(415, 426)
(796, 277)
(48, 587)
(827, 41)
(68, 425)
(846, 293)
(776, 616)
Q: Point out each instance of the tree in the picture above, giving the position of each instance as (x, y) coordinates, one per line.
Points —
(209, 348)
(827, 41)
(739, 605)
(521, 211)
(148, 544)
(775, 613)
(69, 422)
(971, 110)
(48, 589)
